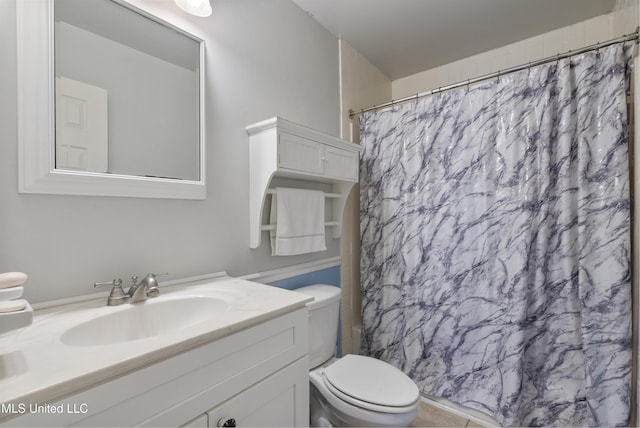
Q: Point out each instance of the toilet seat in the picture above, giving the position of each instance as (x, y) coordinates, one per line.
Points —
(371, 384)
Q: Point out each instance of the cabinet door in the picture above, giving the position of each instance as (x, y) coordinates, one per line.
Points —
(300, 154)
(280, 400)
(341, 164)
(199, 422)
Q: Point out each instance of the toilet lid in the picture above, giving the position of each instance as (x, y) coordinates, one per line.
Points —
(373, 381)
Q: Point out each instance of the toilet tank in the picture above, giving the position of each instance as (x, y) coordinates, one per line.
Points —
(324, 313)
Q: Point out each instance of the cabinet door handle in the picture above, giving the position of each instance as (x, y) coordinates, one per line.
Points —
(227, 422)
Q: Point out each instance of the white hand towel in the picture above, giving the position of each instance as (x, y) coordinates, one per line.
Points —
(299, 218)
(12, 279)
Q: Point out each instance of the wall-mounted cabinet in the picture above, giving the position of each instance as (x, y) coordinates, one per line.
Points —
(281, 148)
(302, 156)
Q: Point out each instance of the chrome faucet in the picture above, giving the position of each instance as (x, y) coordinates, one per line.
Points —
(138, 292)
(148, 287)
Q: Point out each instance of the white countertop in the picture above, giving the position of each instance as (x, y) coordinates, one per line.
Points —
(37, 367)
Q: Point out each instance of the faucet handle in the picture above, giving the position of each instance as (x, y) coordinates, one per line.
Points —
(117, 295)
(160, 274)
(134, 278)
(116, 283)
(153, 290)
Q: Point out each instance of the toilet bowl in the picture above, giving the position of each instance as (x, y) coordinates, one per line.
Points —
(354, 390)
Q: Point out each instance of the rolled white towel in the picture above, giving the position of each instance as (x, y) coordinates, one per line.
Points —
(12, 305)
(12, 279)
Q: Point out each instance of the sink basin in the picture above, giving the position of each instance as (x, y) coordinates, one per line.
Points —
(143, 320)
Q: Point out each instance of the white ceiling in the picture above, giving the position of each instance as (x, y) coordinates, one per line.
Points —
(403, 37)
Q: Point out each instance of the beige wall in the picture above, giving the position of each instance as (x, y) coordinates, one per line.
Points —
(361, 85)
(623, 20)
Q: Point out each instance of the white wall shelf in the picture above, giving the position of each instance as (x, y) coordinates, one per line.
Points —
(282, 149)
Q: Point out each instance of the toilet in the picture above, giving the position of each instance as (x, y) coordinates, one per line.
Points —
(354, 390)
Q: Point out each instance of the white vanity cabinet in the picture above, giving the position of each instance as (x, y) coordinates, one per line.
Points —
(280, 148)
(270, 403)
(257, 376)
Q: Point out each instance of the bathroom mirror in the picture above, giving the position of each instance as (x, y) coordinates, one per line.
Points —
(110, 101)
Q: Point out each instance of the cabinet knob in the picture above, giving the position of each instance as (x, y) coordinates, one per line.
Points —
(227, 422)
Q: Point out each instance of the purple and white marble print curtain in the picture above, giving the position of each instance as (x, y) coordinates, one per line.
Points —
(495, 226)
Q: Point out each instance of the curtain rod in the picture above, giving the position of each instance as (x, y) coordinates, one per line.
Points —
(622, 39)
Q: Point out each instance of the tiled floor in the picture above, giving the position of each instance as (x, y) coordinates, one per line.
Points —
(431, 416)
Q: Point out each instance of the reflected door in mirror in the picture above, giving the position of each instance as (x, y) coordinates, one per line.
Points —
(151, 73)
(81, 126)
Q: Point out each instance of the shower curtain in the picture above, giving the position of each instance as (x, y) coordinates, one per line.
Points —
(495, 226)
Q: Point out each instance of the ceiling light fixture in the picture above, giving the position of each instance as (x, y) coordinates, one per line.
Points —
(195, 7)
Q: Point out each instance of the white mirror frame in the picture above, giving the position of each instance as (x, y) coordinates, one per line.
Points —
(36, 133)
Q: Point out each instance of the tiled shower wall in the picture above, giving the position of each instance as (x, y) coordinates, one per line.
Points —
(361, 85)
(623, 20)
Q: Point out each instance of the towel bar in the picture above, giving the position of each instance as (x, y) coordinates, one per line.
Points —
(266, 227)
(273, 226)
(326, 195)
